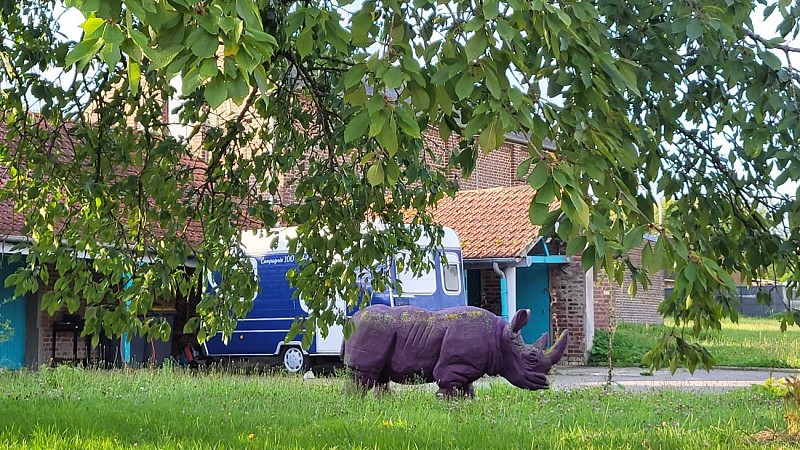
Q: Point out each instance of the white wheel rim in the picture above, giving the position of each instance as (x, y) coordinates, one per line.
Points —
(293, 359)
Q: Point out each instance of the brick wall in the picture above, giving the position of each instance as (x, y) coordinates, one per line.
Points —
(568, 309)
(641, 308)
(494, 169)
(64, 343)
(490, 291)
(602, 301)
(63, 339)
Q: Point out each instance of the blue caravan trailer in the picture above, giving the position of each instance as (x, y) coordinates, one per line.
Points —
(263, 331)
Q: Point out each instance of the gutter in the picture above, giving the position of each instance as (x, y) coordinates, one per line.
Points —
(8, 242)
(490, 262)
(503, 291)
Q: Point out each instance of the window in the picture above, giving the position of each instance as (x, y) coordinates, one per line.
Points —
(423, 284)
(451, 275)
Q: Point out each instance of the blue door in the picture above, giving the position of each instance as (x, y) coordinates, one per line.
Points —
(533, 292)
(12, 323)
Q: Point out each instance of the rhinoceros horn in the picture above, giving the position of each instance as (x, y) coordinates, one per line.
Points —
(556, 351)
(541, 343)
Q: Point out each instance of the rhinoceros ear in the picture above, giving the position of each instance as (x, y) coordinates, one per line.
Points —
(520, 319)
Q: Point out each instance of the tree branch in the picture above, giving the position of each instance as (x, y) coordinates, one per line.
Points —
(766, 42)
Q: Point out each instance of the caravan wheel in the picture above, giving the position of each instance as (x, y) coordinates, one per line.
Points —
(294, 360)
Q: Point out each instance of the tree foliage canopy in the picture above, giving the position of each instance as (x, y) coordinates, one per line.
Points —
(682, 100)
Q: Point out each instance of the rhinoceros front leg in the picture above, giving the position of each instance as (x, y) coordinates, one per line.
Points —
(454, 379)
(467, 391)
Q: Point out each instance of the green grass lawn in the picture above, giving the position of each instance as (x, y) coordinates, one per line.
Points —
(753, 342)
(68, 408)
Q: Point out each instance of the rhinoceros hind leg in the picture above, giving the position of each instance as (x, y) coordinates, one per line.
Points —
(382, 389)
(446, 393)
(468, 390)
(364, 381)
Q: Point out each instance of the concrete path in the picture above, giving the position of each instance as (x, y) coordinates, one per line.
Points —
(718, 379)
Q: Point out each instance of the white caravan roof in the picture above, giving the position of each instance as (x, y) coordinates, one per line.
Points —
(276, 240)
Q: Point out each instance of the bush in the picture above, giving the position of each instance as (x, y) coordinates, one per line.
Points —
(627, 351)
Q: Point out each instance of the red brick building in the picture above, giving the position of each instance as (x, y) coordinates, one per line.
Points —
(509, 267)
(34, 337)
(506, 258)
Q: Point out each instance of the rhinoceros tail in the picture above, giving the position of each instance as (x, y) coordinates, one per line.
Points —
(558, 348)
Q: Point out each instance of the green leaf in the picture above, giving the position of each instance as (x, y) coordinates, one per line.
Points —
(546, 193)
(492, 136)
(576, 245)
(110, 54)
(379, 120)
(539, 175)
(305, 42)
(260, 74)
(203, 44)
(465, 86)
(134, 76)
(523, 168)
(407, 123)
(91, 25)
(694, 30)
(238, 89)
(491, 9)
(357, 126)
(375, 175)
(393, 77)
(581, 208)
(248, 11)
(475, 47)
(387, 138)
(113, 34)
(492, 83)
(629, 76)
(354, 75)
(770, 59)
(84, 51)
(538, 213)
(506, 31)
(634, 238)
(588, 258)
(191, 81)
(262, 37)
(392, 172)
(361, 24)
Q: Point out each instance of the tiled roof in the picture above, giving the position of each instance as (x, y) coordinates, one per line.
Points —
(491, 223)
(12, 223)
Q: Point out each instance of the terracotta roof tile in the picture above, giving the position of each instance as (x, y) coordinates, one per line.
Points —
(491, 223)
(12, 223)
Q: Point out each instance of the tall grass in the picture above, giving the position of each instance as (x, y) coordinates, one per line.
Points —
(67, 408)
(753, 342)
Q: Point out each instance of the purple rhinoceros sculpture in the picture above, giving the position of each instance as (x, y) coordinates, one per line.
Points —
(452, 347)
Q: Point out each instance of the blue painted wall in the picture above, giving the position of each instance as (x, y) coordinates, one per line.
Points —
(533, 292)
(12, 312)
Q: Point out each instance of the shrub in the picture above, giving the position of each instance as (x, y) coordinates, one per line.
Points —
(626, 350)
